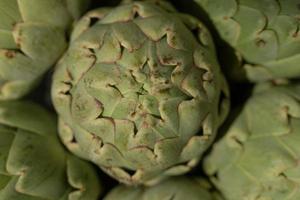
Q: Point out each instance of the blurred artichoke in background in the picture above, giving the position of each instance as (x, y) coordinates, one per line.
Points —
(264, 33)
(33, 163)
(33, 35)
(178, 188)
(140, 92)
(258, 159)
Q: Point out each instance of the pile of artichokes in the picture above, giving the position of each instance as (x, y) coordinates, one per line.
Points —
(149, 99)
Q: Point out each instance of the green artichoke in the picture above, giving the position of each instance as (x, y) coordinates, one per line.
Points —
(177, 188)
(33, 163)
(258, 159)
(264, 33)
(138, 93)
(32, 38)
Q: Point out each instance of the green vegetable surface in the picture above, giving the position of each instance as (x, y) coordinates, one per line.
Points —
(258, 159)
(139, 92)
(264, 33)
(33, 163)
(178, 188)
(33, 35)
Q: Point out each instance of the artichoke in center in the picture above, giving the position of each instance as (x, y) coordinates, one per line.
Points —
(140, 92)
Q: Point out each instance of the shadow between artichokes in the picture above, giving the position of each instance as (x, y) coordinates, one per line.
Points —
(34, 164)
(140, 92)
(264, 33)
(33, 35)
(258, 158)
(176, 188)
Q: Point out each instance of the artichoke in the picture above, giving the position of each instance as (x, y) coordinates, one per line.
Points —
(265, 35)
(177, 188)
(139, 92)
(258, 159)
(32, 38)
(33, 163)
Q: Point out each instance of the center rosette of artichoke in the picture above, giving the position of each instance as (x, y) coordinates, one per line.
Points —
(139, 98)
(138, 94)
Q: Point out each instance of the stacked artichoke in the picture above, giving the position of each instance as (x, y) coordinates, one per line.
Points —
(141, 93)
(264, 34)
(141, 104)
(33, 163)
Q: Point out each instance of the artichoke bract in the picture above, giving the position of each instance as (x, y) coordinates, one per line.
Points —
(265, 35)
(33, 35)
(176, 188)
(34, 164)
(259, 156)
(138, 93)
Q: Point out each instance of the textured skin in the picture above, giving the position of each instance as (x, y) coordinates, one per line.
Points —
(138, 94)
(264, 32)
(178, 188)
(32, 38)
(258, 159)
(33, 163)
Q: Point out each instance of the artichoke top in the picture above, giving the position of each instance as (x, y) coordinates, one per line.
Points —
(139, 91)
(264, 33)
(259, 156)
(33, 35)
(176, 188)
(33, 163)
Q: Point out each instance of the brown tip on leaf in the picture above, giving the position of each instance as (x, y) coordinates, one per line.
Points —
(133, 114)
(295, 34)
(260, 42)
(285, 109)
(167, 59)
(10, 54)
